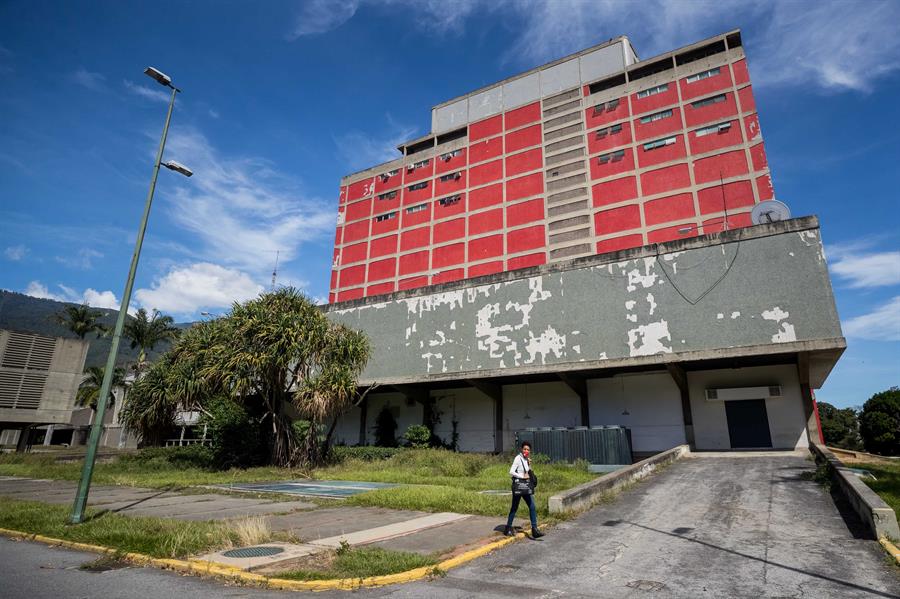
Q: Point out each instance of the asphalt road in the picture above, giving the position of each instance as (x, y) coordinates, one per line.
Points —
(742, 526)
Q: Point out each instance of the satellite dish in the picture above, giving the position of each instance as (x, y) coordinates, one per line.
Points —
(769, 211)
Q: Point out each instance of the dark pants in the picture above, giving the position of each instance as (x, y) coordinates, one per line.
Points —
(515, 506)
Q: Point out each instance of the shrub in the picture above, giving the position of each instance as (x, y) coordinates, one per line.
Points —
(366, 453)
(233, 433)
(417, 436)
(161, 458)
(879, 423)
(840, 427)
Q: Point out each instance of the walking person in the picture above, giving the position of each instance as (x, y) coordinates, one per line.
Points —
(523, 484)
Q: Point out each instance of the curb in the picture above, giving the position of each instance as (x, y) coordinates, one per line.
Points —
(193, 566)
(891, 549)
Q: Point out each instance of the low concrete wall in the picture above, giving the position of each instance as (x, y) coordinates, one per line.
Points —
(584, 496)
(872, 509)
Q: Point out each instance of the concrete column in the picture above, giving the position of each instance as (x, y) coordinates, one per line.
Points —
(363, 416)
(48, 436)
(809, 411)
(22, 444)
(680, 377)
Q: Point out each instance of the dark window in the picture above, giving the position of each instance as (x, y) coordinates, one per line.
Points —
(708, 101)
(416, 186)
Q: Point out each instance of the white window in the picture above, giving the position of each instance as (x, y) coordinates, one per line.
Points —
(713, 129)
(612, 156)
(653, 91)
(449, 200)
(449, 155)
(451, 177)
(419, 164)
(659, 143)
(416, 186)
(388, 196)
(384, 217)
(656, 116)
(417, 208)
(708, 101)
(703, 75)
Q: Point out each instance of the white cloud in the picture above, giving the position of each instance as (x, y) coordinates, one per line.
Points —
(87, 79)
(147, 92)
(187, 290)
(322, 16)
(361, 150)
(240, 209)
(881, 325)
(91, 297)
(15, 253)
(861, 267)
(82, 259)
(213, 113)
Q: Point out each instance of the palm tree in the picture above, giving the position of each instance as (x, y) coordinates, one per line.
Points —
(89, 390)
(150, 409)
(81, 320)
(146, 331)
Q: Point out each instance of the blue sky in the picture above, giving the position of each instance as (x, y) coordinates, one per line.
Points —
(283, 98)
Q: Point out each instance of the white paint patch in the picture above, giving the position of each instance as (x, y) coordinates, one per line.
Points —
(629, 305)
(631, 317)
(652, 302)
(645, 280)
(776, 314)
(453, 326)
(720, 316)
(735, 314)
(786, 334)
(791, 254)
(576, 349)
(602, 356)
(549, 341)
(647, 339)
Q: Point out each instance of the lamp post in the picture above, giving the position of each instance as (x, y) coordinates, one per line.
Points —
(84, 485)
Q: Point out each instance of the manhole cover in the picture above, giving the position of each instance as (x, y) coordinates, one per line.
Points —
(253, 552)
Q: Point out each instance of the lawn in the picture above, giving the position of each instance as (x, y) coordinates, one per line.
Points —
(888, 483)
(439, 480)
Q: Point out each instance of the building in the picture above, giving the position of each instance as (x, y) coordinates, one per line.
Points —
(593, 153)
(579, 271)
(39, 379)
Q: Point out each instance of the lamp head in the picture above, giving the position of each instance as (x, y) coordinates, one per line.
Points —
(160, 77)
(178, 168)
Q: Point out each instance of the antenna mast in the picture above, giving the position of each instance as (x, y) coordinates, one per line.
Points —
(275, 270)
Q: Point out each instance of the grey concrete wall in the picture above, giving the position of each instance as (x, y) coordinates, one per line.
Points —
(757, 290)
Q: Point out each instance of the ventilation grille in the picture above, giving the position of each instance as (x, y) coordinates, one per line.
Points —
(21, 390)
(775, 391)
(29, 352)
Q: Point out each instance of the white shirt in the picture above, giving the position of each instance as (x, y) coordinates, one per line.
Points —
(519, 467)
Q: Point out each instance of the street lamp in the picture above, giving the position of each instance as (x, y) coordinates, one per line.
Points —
(84, 485)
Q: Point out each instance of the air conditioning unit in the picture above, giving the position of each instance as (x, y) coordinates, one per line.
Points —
(739, 393)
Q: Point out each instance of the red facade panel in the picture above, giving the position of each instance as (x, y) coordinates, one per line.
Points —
(764, 187)
(386, 225)
(716, 136)
(731, 195)
(488, 268)
(449, 255)
(741, 73)
(390, 200)
(417, 195)
(413, 282)
(388, 180)
(482, 222)
(342, 195)
(605, 139)
(620, 243)
(525, 212)
(449, 183)
(358, 210)
(729, 164)
(450, 161)
(485, 247)
(485, 173)
(356, 231)
(449, 230)
(735, 221)
(612, 163)
(448, 275)
(719, 78)
(669, 234)
(665, 179)
(617, 190)
(748, 102)
(354, 253)
(523, 162)
(380, 289)
(415, 238)
(352, 275)
(485, 196)
(660, 98)
(339, 231)
(758, 156)
(526, 261)
(523, 138)
(522, 116)
(657, 124)
(350, 294)
(485, 150)
(706, 110)
(418, 173)
(606, 112)
(751, 127)
(660, 154)
(416, 215)
(528, 238)
(450, 206)
(523, 187)
(383, 246)
(382, 269)
(413, 263)
(360, 189)
(668, 209)
(486, 128)
(617, 219)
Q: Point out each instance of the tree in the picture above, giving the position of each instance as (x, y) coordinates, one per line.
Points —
(879, 423)
(150, 409)
(81, 320)
(146, 331)
(89, 390)
(840, 427)
(278, 356)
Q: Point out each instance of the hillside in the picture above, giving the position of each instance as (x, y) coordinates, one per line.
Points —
(25, 313)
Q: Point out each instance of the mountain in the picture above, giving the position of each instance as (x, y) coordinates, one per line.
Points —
(20, 312)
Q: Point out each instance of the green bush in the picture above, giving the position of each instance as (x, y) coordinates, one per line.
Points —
(879, 423)
(162, 458)
(417, 436)
(234, 435)
(365, 453)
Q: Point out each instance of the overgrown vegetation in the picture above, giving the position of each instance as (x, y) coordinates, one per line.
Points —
(158, 537)
(347, 562)
(888, 484)
(879, 423)
(840, 427)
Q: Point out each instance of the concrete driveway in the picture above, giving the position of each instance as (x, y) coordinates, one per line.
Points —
(738, 525)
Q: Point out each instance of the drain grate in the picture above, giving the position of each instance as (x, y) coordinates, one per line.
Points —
(261, 551)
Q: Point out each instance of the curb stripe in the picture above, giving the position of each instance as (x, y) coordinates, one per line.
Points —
(890, 548)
